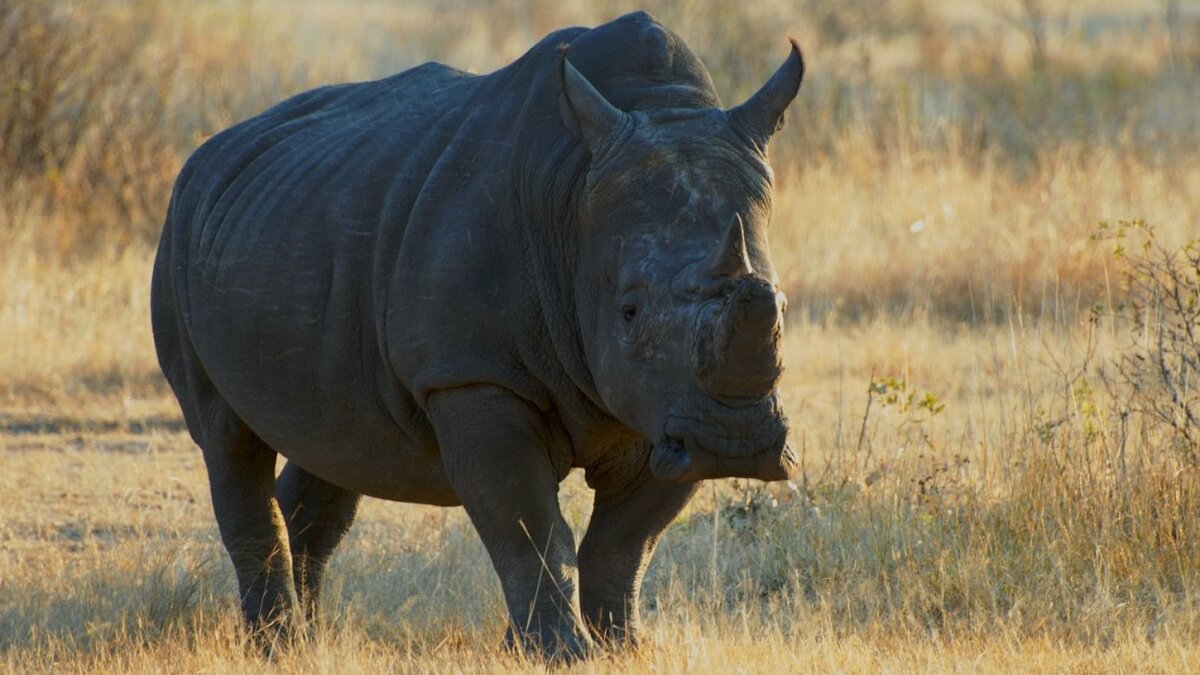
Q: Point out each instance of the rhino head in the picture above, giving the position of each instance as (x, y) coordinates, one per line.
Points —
(679, 308)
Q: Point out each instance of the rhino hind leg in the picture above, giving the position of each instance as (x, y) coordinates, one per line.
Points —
(241, 477)
(318, 515)
(241, 474)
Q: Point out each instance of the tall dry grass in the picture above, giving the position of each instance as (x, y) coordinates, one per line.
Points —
(939, 184)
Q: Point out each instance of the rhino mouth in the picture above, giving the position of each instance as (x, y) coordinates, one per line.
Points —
(732, 443)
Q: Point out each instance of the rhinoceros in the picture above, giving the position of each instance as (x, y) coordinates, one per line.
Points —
(452, 289)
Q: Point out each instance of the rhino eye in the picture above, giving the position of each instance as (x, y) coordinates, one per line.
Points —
(629, 313)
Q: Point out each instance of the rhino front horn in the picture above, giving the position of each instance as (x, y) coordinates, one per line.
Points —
(762, 114)
(732, 259)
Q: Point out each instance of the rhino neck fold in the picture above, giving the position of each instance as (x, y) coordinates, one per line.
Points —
(548, 171)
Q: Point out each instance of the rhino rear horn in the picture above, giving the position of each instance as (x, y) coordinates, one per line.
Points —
(762, 114)
(585, 112)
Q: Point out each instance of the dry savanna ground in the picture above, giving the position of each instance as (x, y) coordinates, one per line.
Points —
(994, 396)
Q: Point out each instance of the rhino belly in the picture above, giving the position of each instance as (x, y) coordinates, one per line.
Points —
(289, 340)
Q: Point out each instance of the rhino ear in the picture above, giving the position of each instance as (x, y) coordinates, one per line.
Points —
(762, 114)
(585, 111)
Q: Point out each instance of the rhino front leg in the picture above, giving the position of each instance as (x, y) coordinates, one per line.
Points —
(495, 450)
(318, 515)
(625, 527)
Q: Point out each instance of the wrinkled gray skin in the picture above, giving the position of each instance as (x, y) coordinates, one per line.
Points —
(451, 289)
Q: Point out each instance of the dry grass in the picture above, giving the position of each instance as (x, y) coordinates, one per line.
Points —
(939, 184)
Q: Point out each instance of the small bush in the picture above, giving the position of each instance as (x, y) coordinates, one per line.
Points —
(1159, 372)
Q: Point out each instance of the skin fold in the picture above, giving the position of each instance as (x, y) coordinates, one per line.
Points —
(452, 289)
